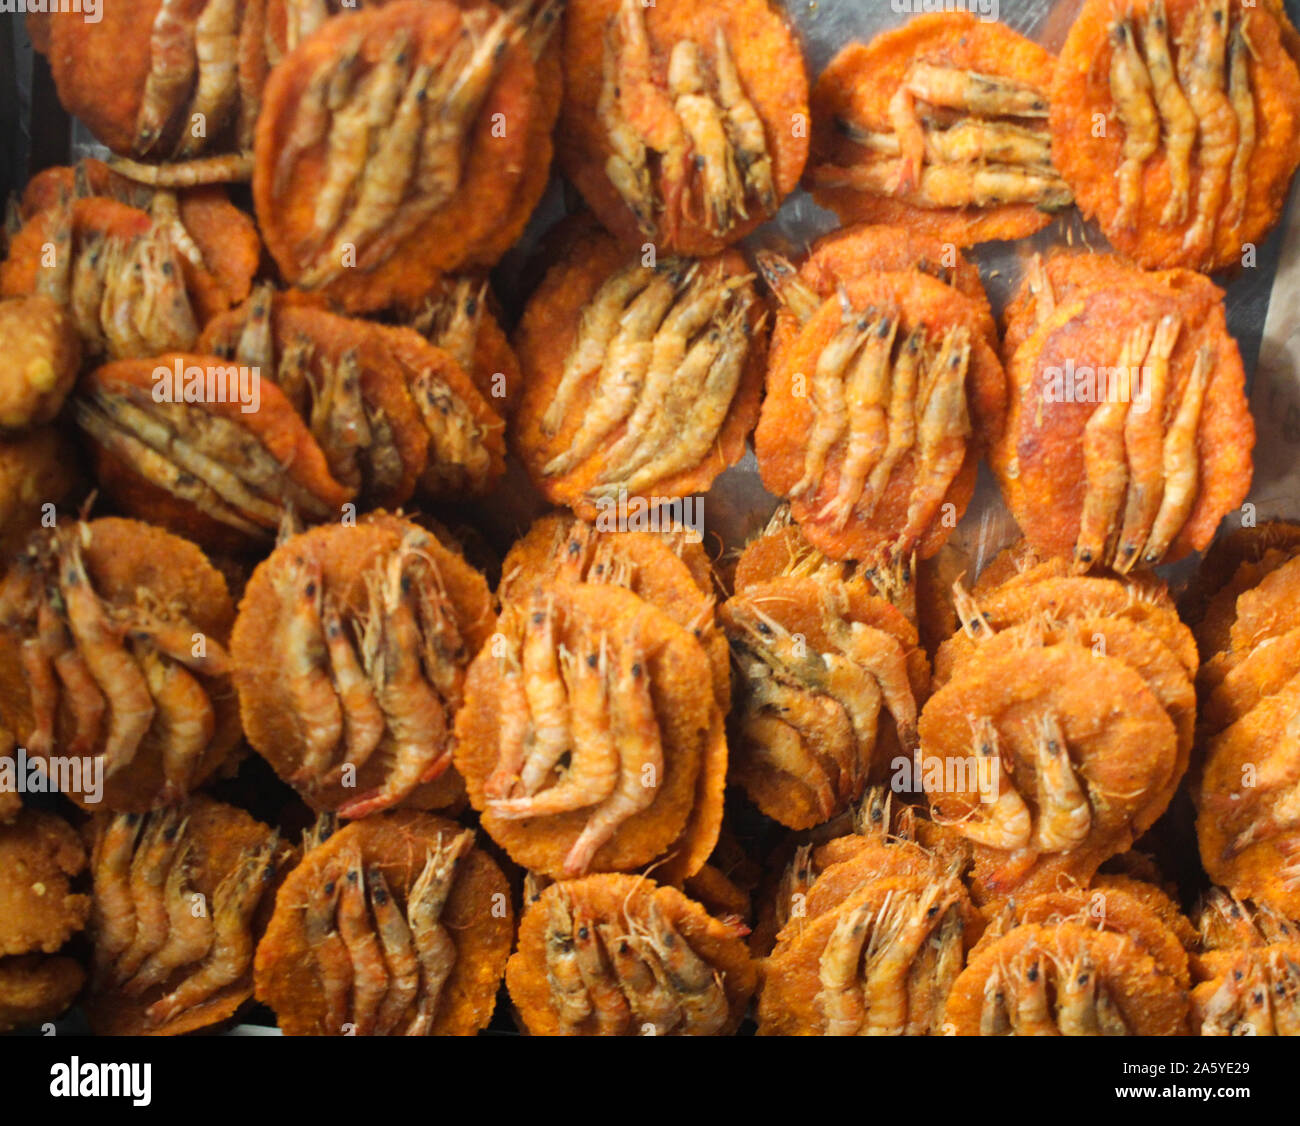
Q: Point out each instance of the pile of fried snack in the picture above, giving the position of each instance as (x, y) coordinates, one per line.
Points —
(322, 744)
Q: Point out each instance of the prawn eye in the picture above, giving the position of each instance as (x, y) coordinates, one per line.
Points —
(538, 617)
(1032, 973)
(1083, 979)
(583, 933)
(636, 669)
(593, 660)
(310, 590)
(764, 628)
(330, 885)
